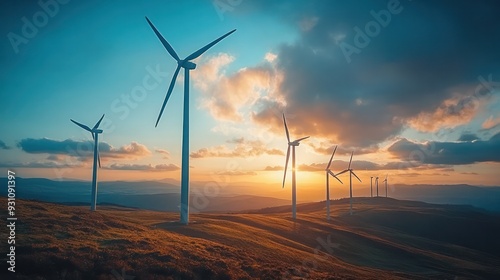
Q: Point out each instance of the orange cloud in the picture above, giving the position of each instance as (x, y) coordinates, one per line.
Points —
(225, 96)
(491, 122)
(455, 111)
(242, 148)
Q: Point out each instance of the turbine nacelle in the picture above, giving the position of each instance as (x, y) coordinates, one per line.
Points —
(186, 64)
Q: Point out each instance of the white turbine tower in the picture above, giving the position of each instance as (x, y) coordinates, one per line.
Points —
(351, 172)
(376, 183)
(371, 186)
(385, 184)
(328, 174)
(187, 65)
(292, 144)
(95, 131)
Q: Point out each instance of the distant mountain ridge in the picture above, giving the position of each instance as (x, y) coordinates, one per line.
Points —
(163, 195)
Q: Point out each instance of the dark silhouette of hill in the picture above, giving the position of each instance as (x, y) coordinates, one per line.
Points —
(384, 239)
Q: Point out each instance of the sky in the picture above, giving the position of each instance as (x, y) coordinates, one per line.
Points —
(411, 87)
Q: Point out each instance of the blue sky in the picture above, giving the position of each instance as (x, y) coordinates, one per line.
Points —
(419, 80)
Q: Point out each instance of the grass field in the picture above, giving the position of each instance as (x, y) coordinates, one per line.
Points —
(384, 239)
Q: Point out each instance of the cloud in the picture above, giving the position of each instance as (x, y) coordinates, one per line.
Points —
(76, 148)
(227, 96)
(491, 122)
(143, 167)
(274, 168)
(242, 148)
(326, 148)
(237, 173)
(165, 154)
(451, 113)
(421, 70)
(458, 152)
(39, 164)
(3, 146)
(308, 23)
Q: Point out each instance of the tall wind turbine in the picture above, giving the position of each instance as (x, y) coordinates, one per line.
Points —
(328, 174)
(371, 186)
(292, 144)
(376, 183)
(385, 184)
(187, 65)
(351, 172)
(95, 131)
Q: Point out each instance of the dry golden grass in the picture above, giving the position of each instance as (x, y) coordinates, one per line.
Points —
(385, 239)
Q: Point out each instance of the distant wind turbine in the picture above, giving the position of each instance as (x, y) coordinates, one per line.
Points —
(371, 186)
(292, 144)
(95, 131)
(376, 183)
(187, 65)
(351, 172)
(385, 184)
(328, 174)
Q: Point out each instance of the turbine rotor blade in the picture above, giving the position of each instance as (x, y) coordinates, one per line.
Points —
(286, 129)
(169, 48)
(331, 173)
(82, 126)
(352, 172)
(169, 92)
(350, 161)
(98, 158)
(298, 140)
(331, 158)
(98, 123)
(342, 172)
(286, 164)
(205, 48)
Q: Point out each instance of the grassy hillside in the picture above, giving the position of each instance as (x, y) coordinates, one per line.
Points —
(384, 239)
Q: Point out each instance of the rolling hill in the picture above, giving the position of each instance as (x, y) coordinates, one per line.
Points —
(384, 239)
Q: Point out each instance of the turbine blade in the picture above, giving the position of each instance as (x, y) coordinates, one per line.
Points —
(205, 48)
(286, 164)
(99, 122)
(342, 172)
(169, 48)
(286, 129)
(99, 157)
(82, 126)
(350, 161)
(298, 140)
(169, 92)
(331, 158)
(352, 172)
(331, 173)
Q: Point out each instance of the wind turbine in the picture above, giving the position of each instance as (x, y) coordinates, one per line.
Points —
(292, 144)
(95, 131)
(385, 184)
(328, 173)
(371, 186)
(376, 183)
(187, 65)
(351, 172)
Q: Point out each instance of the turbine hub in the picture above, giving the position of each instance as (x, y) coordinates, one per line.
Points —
(187, 64)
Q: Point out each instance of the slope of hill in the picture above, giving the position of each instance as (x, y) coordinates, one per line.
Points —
(384, 239)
